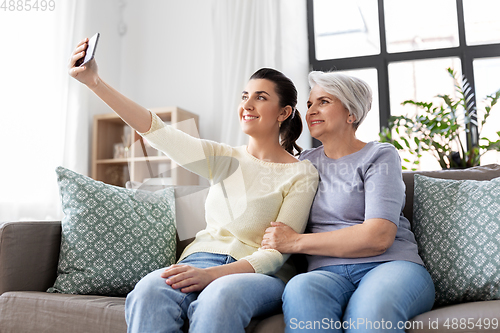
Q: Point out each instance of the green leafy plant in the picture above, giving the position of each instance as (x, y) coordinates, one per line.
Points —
(449, 131)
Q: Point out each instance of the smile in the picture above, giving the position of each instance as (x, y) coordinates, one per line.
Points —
(316, 122)
(248, 118)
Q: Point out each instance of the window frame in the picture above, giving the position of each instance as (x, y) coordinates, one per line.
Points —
(381, 61)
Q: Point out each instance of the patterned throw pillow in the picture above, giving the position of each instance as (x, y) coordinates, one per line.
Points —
(111, 236)
(457, 227)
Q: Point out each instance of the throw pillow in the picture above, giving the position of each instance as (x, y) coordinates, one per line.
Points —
(111, 236)
(457, 227)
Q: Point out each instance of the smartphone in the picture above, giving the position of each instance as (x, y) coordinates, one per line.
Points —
(89, 54)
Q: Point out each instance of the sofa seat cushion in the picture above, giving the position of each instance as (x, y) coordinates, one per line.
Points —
(35, 311)
(27, 312)
(275, 323)
(467, 317)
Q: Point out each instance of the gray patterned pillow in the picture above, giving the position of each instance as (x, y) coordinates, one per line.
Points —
(457, 227)
(111, 236)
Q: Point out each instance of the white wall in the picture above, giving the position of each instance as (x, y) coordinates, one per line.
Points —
(167, 56)
(103, 17)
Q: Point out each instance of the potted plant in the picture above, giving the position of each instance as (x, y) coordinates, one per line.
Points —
(448, 131)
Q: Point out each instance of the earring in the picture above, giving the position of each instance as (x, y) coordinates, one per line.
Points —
(279, 124)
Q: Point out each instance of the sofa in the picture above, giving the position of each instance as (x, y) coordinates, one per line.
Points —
(29, 256)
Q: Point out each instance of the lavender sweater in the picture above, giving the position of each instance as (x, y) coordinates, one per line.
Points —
(364, 185)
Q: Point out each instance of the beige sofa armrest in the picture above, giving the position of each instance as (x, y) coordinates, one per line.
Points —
(29, 253)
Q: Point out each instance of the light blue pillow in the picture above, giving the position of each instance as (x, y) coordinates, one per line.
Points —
(457, 227)
(111, 236)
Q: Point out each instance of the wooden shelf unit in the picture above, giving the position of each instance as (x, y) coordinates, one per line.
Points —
(141, 161)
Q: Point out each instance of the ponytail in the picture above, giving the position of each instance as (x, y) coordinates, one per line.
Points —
(290, 131)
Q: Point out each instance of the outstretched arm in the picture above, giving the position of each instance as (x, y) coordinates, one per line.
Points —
(132, 113)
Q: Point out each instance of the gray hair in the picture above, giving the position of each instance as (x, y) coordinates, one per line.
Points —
(354, 94)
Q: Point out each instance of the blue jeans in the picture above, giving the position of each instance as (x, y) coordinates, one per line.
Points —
(370, 297)
(225, 305)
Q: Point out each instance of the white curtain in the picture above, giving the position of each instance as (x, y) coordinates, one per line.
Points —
(251, 34)
(43, 122)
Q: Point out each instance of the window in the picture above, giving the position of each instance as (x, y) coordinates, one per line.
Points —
(431, 25)
(406, 47)
(419, 80)
(486, 74)
(482, 25)
(356, 29)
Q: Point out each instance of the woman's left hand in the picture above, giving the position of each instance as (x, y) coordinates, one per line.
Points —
(280, 237)
(187, 277)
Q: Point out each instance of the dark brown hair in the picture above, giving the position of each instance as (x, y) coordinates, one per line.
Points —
(292, 126)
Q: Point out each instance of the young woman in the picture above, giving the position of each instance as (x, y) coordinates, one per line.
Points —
(214, 285)
(364, 271)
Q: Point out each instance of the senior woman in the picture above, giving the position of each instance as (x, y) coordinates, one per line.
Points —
(364, 271)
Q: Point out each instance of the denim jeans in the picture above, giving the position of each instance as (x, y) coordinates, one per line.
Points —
(225, 305)
(369, 297)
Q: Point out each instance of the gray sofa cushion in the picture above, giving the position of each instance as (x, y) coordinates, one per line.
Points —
(25, 248)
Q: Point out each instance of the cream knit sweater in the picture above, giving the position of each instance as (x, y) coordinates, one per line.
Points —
(245, 195)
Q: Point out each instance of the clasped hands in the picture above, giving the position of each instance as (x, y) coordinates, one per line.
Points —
(280, 237)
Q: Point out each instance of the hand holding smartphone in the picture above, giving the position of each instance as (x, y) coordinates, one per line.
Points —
(90, 52)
